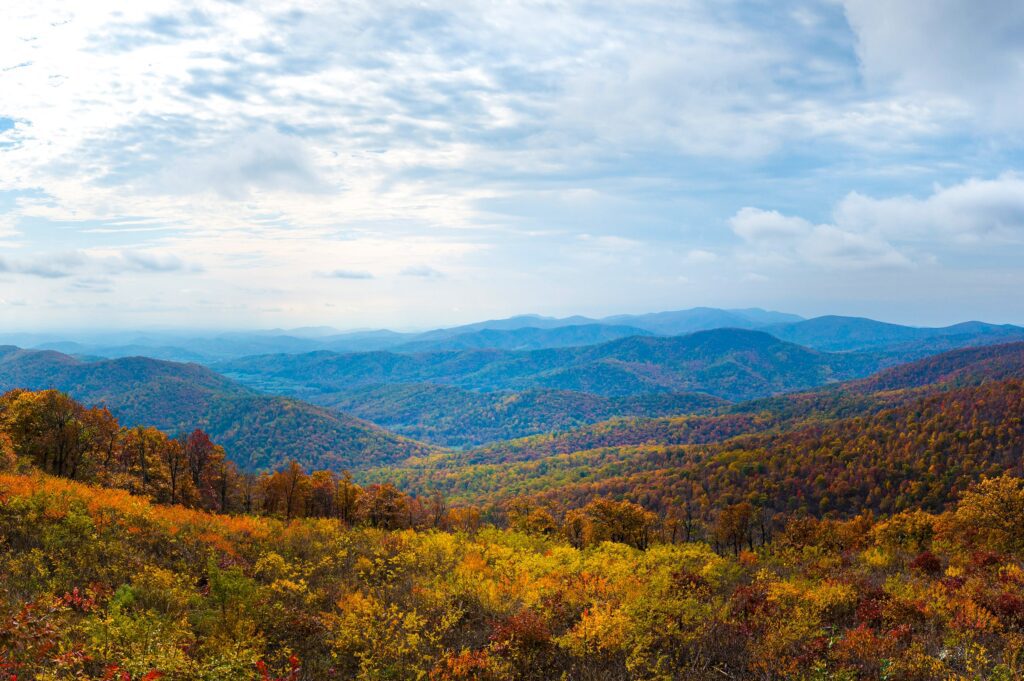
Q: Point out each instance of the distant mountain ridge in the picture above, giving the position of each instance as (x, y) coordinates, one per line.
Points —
(727, 363)
(702, 319)
(840, 334)
(967, 366)
(524, 338)
(532, 332)
(209, 348)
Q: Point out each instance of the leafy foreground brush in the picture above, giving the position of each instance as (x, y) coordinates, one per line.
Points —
(100, 584)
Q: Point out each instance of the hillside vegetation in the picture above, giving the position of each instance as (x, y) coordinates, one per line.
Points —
(100, 584)
(258, 431)
(889, 443)
(732, 364)
(457, 418)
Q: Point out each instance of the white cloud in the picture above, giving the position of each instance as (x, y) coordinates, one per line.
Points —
(699, 256)
(59, 265)
(145, 261)
(865, 231)
(421, 271)
(347, 274)
(967, 49)
(785, 239)
(754, 224)
(260, 160)
(967, 212)
(831, 246)
(224, 143)
(54, 266)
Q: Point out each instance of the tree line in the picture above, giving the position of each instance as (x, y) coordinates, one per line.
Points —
(56, 434)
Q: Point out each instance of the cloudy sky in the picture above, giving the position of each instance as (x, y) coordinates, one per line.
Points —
(407, 164)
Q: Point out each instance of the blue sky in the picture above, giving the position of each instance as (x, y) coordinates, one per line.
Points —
(410, 164)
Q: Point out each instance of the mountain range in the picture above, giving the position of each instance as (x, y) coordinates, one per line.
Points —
(905, 437)
(480, 383)
(528, 332)
(732, 364)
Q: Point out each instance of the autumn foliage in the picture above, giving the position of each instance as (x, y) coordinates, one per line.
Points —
(103, 584)
(879, 546)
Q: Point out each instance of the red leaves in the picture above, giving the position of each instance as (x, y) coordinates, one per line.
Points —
(984, 559)
(524, 629)
(115, 673)
(862, 649)
(870, 611)
(690, 582)
(294, 667)
(1009, 607)
(748, 602)
(78, 601)
(927, 563)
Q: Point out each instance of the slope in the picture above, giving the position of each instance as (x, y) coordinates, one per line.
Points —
(911, 434)
(728, 363)
(455, 417)
(259, 431)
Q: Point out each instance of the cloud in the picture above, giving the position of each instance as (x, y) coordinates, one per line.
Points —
(142, 261)
(262, 160)
(754, 224)
(59, 265)
(787, 239)
(973, 210)
(964, 49)
(55, 266)
(93, 285)
(699, 256)
(864, 230)
(347, 274)
(834, 247)
(422, 271)
(484, 138)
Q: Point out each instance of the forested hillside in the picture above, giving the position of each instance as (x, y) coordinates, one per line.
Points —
(319, 578)
(728, 363)
(454, 417)
(889, 443)
(258, 431)
(868, 529)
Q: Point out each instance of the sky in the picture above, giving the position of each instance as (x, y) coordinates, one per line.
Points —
(226, 164)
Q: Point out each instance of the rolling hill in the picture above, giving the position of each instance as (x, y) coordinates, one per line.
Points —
(732, 364)
(907, 437)
(454, 417)
(258, 431)
(842, 334)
